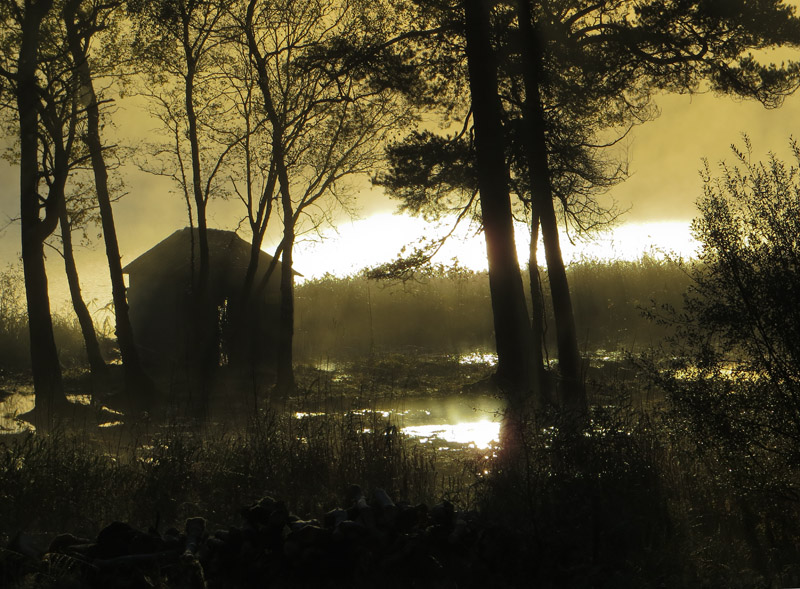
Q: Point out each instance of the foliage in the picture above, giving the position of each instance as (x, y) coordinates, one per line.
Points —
(736, 383)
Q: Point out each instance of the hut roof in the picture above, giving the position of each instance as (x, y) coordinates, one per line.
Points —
(173, 254)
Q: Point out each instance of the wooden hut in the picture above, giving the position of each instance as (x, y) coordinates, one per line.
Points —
(165, 308)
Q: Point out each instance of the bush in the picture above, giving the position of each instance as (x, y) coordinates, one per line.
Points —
(735, 387)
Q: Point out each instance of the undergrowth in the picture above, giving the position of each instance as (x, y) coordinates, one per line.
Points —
(78, 482)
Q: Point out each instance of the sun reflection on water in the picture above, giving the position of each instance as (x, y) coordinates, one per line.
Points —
(477, 434)
(489, 359)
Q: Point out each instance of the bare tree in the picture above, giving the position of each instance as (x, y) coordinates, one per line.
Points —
(83, 21)
(186, 83)
(326, 123)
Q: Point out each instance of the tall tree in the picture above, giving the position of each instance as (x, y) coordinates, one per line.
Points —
(61, 155)
(514, 346)
(540, 183)
(186, 83)
(82, 22)
(38, 214)
(326, 122)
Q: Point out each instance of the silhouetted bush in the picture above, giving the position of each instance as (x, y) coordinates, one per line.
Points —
(594, 504)
(733, 378)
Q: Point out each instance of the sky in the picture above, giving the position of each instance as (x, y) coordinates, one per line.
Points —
(665, 156)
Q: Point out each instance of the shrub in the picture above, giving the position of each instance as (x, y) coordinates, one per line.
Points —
(735, 386)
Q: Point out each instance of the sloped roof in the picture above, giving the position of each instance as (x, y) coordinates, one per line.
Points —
(173, 254)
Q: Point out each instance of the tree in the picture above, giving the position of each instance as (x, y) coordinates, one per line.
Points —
(82, 22)
(514, 346)
(189, 37)
(326, 122)
(734, 383)
(38, 215)
(595, 67)
(61, 155)
(187, 86)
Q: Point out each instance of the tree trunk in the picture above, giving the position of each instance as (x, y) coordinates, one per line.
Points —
(539, 374)
(62, 148)
(48, 387)
(573, 394)
(139, 387)
(512, 333)
(285, 371)
(97, 365)
(197, 190)
(259, 228)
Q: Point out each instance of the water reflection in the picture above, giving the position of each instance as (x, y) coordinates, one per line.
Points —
(23, 401)
(10, 407)
(463, 420)
(472, 421)
(480, 434)
(489, 359)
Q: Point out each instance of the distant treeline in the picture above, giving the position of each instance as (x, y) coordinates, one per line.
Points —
(450, 310)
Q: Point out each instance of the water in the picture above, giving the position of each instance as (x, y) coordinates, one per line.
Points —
(464, 420)
(447, 422)
(12, 405)
(22, 401)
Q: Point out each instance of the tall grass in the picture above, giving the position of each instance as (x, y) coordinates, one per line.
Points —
(447, 312)
(79, 482)
(450, 312)
(14, 336)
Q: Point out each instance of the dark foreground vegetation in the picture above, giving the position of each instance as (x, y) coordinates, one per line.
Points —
(634, 501)
(654, 492)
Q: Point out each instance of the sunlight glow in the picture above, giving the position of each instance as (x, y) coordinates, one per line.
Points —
(477, 434)
(381, 237)
(487, 358)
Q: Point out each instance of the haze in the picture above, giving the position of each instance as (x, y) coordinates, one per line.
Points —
(658, 198)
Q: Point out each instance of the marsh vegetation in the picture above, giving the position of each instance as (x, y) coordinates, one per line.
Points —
(667, 508)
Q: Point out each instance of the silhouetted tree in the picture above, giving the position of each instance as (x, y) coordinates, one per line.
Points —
(38, 214)
(61, 155)
(183, 47)
(82, 21)
(511, 325)
(326, 124)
